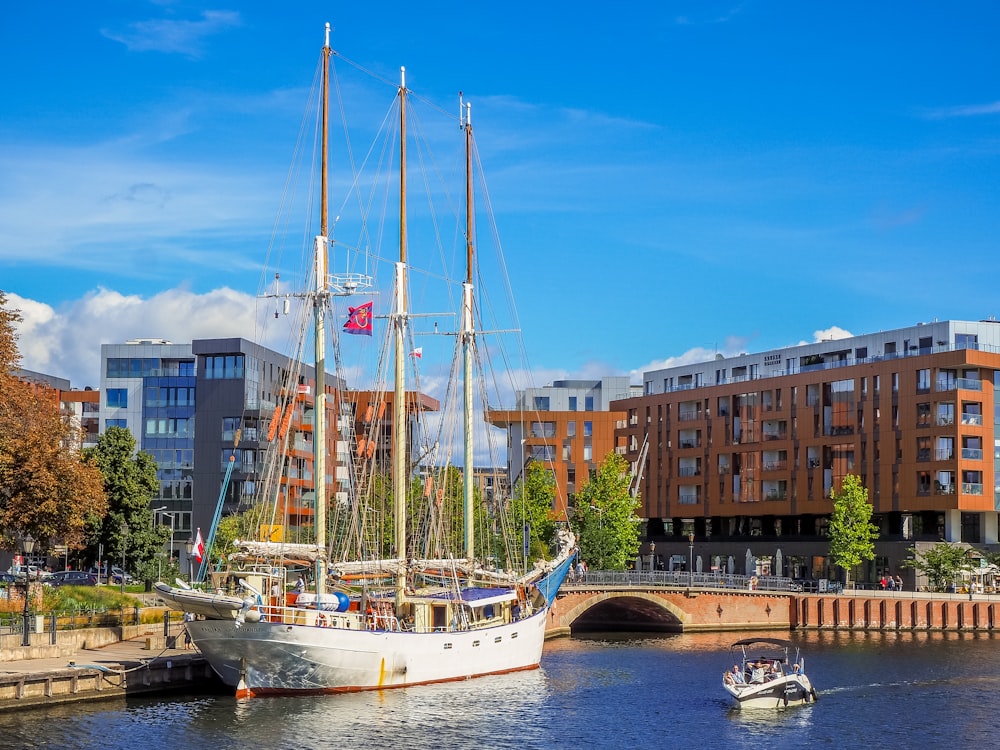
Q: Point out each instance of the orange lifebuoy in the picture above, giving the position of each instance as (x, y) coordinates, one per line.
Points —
(321, 621)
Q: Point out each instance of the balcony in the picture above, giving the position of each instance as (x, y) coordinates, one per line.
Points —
(969, 384)
(971, 488)
(775, 465)
(688, 471)
(973, 454)
(945, 420)
(944, 454)
(972, 419)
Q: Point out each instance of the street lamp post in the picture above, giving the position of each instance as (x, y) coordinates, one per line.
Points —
(189, 548)
(124, 544)
(27, 547)
(691, 560)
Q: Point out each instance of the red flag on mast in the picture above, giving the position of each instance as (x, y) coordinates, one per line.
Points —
(359, 320)
(199, 547)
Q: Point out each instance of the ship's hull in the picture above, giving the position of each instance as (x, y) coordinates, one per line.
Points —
(264, 658)
(790, 690)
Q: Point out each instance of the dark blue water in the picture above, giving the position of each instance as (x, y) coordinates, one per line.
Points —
(896, 690)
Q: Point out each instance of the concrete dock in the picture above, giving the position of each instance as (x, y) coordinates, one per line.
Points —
(139, 666)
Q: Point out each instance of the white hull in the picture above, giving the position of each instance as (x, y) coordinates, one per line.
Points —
(790, 690)
(273, 657)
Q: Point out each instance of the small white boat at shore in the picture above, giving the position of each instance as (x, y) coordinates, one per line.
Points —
(768, 673)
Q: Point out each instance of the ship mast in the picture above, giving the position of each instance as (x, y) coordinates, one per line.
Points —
(468, 342)
(399, 426)
(319, 331)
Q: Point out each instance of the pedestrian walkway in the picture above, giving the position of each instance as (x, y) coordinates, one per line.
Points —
(133, 651)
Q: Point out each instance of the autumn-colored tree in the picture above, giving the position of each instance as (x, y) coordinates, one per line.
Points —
(45, 489)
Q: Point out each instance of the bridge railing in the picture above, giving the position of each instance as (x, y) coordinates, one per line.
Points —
(682, 579)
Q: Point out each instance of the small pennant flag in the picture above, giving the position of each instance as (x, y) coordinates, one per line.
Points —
(418, 352)
(359, 320)
(199, 547)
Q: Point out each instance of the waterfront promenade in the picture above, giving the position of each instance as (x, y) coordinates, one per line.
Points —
(117, 671)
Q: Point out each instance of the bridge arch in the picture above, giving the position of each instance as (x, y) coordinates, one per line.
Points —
(634, 611)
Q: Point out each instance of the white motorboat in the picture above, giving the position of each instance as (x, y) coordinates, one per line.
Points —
(768, 673)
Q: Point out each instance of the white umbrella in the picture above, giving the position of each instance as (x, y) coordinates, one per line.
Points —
(697, 563)
(749, 563)
(777, 563)
(730, 565)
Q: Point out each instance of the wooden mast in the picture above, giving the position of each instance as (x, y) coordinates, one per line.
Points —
(319, 331)
(399, 425)
(468, 342)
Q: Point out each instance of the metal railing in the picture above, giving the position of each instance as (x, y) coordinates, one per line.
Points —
(682, 579)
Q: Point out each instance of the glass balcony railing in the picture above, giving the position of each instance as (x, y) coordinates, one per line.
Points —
(973, 454)
(971, 488)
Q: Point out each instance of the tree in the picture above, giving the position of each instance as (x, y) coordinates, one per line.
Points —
(940, 563)
(45, 488)
(533, 505)
(852, 533)
(605, 520)
(130, 482)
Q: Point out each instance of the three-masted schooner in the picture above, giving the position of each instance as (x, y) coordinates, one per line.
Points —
(375, 621)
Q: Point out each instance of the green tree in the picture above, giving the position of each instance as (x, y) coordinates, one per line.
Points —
(852, 533)
(126, 531)
(940, 563)
(605, 519)
(534, 500)
(45, 488)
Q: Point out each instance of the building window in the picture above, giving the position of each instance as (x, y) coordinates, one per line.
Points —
(223, 367)
(165, 427)
(588, 428)
(542, 403)
(543, 429)
(588, 403)
(116, 398)
(571, 428)
(572, 403)
(116, 423)
(923, 381)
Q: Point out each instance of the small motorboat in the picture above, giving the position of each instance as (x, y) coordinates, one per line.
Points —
(766, 674)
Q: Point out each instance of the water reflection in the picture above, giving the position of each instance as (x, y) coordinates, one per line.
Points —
(657, 691)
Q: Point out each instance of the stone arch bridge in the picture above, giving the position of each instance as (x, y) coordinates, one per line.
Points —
(637, 608)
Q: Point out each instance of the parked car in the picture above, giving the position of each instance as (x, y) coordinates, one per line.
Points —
(34, 572)
(6, 579)
(72, 578)
(116, 575)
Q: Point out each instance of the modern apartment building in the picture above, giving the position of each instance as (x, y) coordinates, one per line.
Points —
(160, 391)
(743, 452)
(569, 425)
(186, 404)
(81, 407)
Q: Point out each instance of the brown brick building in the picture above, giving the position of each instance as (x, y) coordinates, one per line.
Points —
(743, 452)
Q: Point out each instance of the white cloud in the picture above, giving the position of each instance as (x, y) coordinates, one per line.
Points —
(833, 333)
(175, 36)
(66, 342)
(964, 110)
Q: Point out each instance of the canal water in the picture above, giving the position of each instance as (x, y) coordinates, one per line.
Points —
(897, 690)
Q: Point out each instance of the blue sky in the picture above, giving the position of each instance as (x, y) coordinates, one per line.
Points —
(670, 179)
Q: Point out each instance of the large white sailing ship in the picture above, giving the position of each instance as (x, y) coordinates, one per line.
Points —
(390, 602)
